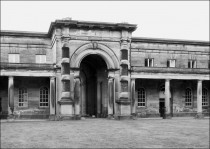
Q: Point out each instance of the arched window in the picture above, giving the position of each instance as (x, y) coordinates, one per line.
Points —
(23, 97)
(43, 97)
(204, 97)
(141, 97)
(188, 97)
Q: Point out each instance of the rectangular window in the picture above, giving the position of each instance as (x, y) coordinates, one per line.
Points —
(188, 97)
(171, 63)
(149, 62)
(40, 58)
(14, 58)
(23, 97)
(141, 97)
(192, 64)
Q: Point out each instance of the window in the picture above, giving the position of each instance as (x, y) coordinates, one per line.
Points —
(124, 54)
(171, 63)
(14, 58)
(204, 97)
(192, 64)
(23, 97)
(65, 52)
(141, 97)
(188, 97)
(149, 62)
(43, 97)
(40, 58)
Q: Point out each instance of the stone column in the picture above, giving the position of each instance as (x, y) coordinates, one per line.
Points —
(133, 100)
(77, 96)
(52, 96)
(98, 99)
(167, 99)
(199, 100)
(111, 96)
(11, 93)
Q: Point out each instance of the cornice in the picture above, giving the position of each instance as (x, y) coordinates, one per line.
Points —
(91, 25)
(170, 41)
(23, 34)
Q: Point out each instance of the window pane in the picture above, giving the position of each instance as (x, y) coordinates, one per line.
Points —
(43, 97)
(141, 97)
(13, 58)
(172, 63)
(40, 58)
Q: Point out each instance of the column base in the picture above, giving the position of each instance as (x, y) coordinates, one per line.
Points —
(123, 117)
(199, 116)
(167, 116)
(111, 117)
(53, 117)
(69, 117)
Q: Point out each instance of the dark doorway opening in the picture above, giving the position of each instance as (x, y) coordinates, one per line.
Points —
(161, 107)
(93, 73)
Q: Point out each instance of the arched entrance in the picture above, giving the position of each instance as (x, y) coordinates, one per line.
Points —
(94, 93)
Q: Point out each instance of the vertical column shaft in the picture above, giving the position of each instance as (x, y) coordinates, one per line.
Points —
(111, 96)
(77, 96)
(167, 96)
(133, 100)
(52, 96)
(199, 96)
(98, 99)
(11, 93)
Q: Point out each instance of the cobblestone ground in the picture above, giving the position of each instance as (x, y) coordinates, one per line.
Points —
(103, 133)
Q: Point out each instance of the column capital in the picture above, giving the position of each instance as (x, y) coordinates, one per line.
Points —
(167, 79)
(199, 80)
(52, 78)
(11, 77)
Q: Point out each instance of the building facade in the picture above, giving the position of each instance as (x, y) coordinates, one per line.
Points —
(98, 69)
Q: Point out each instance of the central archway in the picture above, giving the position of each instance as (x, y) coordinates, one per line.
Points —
(93, 74)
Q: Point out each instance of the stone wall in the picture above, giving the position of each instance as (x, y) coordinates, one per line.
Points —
(27, 47)
(33, 86)
(152, 88)
(162, 52)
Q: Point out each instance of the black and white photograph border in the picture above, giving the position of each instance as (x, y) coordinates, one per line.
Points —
(104, 74)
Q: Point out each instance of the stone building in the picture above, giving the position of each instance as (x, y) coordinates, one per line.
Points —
(82, 68)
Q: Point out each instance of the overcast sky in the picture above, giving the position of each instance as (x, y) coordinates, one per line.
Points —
(162, 19)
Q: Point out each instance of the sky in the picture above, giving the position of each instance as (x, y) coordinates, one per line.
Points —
(188, 20)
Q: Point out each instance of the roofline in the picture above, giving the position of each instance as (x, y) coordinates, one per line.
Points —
(170, 41)
(23, 33)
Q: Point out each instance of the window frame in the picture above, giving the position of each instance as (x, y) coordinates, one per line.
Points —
(25, 91)
(188, 98)
(169, 63)
(192, 63)
(141, 100)
(13, 59)
(42, 102)
(206, 97)
(149, 62)
(40, 59)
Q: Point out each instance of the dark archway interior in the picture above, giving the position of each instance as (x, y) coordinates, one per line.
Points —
(93, 69)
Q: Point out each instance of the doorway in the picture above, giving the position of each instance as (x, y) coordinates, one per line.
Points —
(161, 106)
(93, 74)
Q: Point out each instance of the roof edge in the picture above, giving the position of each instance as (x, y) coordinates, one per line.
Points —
(23, 33)
(170, 41)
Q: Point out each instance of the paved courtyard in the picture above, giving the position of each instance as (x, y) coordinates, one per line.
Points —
(103, 133)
